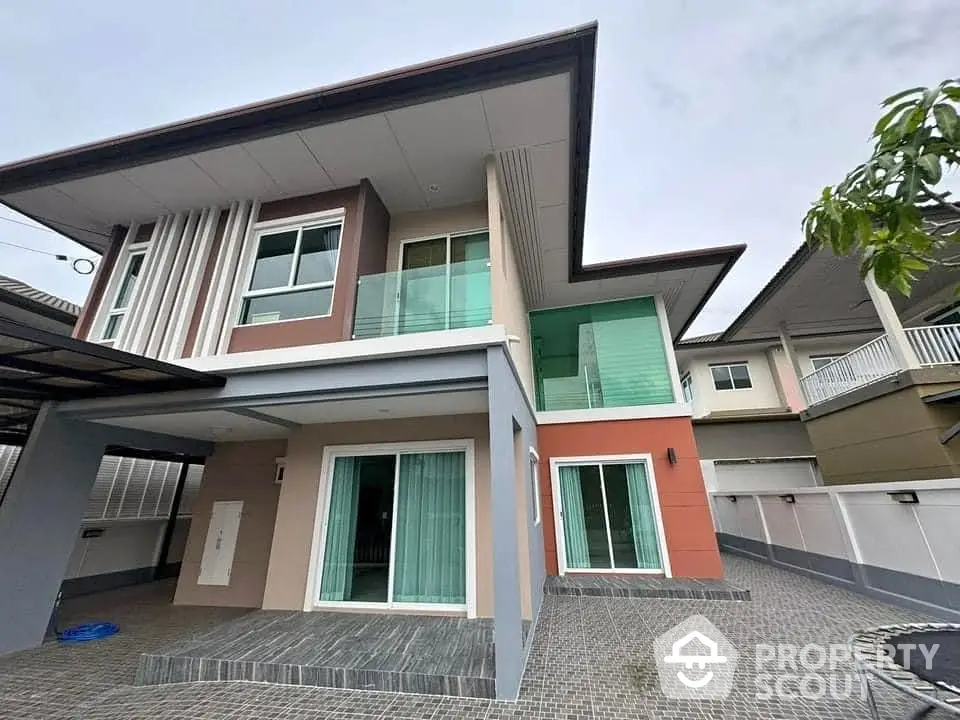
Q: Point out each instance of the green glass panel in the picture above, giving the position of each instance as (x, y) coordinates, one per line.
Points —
(601, 355)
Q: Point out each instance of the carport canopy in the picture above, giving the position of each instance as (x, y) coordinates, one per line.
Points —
(37, 366)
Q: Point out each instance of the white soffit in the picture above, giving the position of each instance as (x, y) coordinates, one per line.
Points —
(423, 156)
(382, 408)
(213, 425)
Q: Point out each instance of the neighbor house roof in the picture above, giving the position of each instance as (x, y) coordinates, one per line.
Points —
(27, 297)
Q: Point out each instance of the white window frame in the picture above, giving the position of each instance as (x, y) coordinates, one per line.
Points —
(449, 238)
(299, 223)
(318, 548)
(828, 357)
(134, 251)
(727, 366)
(557, 462)
(686, 387)
(534, 460)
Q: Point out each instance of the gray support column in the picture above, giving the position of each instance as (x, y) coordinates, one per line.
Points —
(39, 522)
(508, 623)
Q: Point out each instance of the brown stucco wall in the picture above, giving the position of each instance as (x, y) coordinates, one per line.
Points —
(752, 439)
(890, 438)
(363, 244)
(303, 488)
(235, 471)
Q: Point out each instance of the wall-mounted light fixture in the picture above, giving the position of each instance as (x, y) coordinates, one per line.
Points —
(672, 456)
(789, 499)
(904, 497)
(732, 498)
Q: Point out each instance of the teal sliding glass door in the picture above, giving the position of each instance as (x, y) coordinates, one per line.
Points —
(396, 530)
(608, 517)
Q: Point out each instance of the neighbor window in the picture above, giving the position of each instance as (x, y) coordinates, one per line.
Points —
(121, 303)
(600, 356)
(950, 317)
(293, 274)
(820, 361)
(686, 384)
(733, 376)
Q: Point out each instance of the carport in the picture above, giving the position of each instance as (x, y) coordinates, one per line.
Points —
(41, 508)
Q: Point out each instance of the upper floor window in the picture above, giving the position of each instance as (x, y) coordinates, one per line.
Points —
(950, 317)
(125, 292)
(820, 361)
(293, 273)
(686, 384)
(600, 356)
(732, 376)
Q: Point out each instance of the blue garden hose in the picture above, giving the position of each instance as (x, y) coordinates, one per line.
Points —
(87, 632)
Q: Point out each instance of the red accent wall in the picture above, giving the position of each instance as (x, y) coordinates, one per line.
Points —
(687, 523)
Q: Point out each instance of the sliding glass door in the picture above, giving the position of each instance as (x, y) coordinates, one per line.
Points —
(396, 530)
(609, 517)
(445, 283)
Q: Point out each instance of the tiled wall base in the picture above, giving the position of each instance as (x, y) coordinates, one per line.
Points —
(639, 586)
(917, 592)
(393, 653)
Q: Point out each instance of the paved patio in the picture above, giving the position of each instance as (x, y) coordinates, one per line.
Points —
(592, 658)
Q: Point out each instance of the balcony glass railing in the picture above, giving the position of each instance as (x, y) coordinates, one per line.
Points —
(443, 297)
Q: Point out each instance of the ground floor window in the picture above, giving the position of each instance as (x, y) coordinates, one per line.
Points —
(396, 529)
(609, 516)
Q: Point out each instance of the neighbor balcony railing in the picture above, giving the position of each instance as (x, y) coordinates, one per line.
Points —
(443, 297)
(933, 345)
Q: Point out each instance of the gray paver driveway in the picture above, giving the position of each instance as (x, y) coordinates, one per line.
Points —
(592, 658)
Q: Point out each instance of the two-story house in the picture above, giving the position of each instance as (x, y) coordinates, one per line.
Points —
(420, 399)
(826, 378)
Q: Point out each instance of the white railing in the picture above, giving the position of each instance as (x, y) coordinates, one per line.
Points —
(935, 344)
(857, 368)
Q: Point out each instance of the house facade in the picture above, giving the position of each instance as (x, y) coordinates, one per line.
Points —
(823, 367)
(428, 401)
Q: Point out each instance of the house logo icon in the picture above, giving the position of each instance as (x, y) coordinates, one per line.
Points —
(695, 661)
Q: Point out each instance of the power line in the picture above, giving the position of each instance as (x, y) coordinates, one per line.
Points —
(58, 256)
(82, 266)
(58, 222)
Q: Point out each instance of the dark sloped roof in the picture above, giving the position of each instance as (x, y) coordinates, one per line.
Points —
(701, 339)
(44, 302)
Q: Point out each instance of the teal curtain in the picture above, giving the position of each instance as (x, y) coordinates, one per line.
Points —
(574, 521)
(645, 538)
(337, 582)
(469, 280)
(429, 563)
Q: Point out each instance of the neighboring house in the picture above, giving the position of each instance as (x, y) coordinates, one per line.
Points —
(26, 304)
(823, 363)
(418, 398)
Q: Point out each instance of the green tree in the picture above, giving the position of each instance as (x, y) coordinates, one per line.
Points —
(893, 211)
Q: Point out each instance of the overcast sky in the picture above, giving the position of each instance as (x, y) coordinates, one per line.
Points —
(714, 122)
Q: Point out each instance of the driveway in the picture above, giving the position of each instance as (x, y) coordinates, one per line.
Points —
(592, 658)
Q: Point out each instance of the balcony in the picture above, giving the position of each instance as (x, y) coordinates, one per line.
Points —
(934, 345)
(441, 297)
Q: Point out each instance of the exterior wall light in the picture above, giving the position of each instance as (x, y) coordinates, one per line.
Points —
(788, 499)
(904, 497)
(672, 456)
(732, 498)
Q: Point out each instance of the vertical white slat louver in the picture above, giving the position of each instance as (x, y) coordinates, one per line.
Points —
(190, 489)
(106, 477)
(8, 461)
(119, 488)
(133, 492)
(165, 498)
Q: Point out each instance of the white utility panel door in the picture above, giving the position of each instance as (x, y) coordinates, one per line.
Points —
(221, 543)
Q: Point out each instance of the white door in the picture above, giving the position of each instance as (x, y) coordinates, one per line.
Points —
(221, 542)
